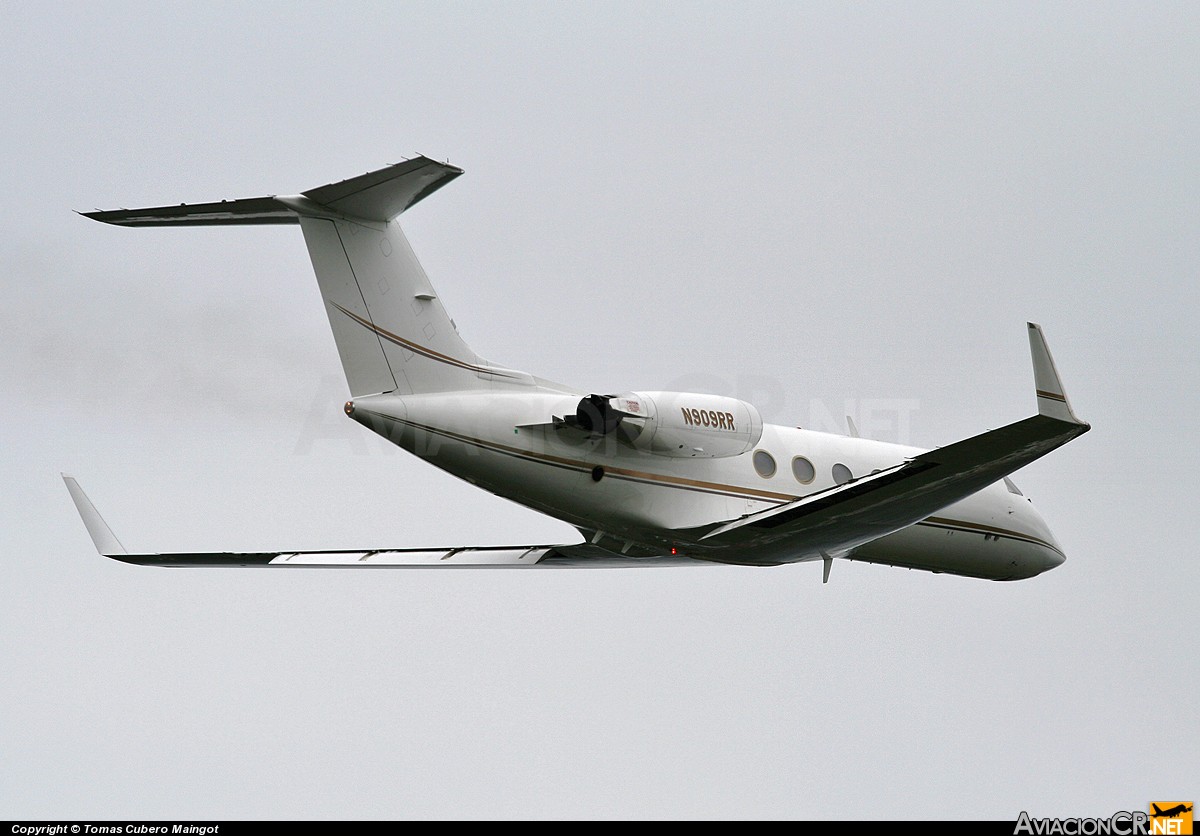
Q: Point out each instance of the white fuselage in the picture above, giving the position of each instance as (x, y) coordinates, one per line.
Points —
(635, 501)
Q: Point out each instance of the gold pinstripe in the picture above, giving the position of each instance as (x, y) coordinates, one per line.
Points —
(415, 347)
(705, 487)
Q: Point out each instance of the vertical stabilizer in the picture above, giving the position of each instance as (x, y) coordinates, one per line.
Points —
(391, 330)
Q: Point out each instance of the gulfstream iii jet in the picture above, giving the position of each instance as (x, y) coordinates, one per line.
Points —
(647, 478)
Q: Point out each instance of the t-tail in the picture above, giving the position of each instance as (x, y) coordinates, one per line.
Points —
(391, 330)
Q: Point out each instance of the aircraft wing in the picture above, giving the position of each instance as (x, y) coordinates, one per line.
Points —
(865, 509)
(475, 557)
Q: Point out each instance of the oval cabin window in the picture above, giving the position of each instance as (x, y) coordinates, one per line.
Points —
(803, 470)
(841, 474)
(764, 464)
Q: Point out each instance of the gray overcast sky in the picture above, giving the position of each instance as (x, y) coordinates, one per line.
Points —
(813, 206)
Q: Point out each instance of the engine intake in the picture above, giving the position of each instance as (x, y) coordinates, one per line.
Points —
(676, 424)
(595, 415)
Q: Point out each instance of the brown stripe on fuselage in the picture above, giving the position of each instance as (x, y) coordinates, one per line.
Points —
(618, 472)
(415, 347)
(682, 483)
(980, 528)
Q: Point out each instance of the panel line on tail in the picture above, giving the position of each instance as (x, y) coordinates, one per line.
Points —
(366, 307)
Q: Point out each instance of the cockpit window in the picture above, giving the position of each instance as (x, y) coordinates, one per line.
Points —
(1012, 487)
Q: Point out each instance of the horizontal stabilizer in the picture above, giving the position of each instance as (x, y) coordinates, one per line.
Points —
(384, 194)
(251, 210)
(375, 196)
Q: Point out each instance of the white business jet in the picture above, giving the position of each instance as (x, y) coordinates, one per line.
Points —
(648, 478)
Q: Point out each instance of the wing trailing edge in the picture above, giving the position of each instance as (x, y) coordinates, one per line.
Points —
(566, 555)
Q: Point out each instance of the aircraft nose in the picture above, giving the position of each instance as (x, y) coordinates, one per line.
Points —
(1052, 558)
(1050, 553)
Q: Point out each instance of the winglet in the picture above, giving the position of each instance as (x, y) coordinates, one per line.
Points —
(106, 542)
(1051, 396)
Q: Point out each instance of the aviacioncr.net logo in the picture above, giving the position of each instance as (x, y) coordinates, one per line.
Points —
(1165, 818)
(1122, 823)
(1170, 818)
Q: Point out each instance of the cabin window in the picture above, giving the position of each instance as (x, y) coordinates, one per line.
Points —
(803, 470)
(841, 474)
(764, 463)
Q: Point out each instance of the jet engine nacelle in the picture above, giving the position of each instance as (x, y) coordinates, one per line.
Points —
(678, 424)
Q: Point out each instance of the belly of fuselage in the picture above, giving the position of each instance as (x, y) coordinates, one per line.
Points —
(959, 547)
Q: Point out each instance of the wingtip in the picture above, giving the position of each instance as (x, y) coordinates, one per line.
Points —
(96, 215)
(1051, 394)
(102, 536)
